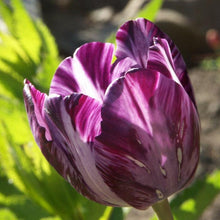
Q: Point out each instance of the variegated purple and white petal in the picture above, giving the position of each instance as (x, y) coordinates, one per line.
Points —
(74, 122)
(161, 60)
(149, 138)
(34, 103)
(88, 72)
(125, 133)
(134, 39)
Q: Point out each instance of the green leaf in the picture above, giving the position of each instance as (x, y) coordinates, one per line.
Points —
(150, 10)
(6, 14)
(29, 50)
(15, 205)
(112, 213)
(7, 214)
(25, 31)
(117, 214)
(31, 174)
(192, 202)
(49, 57)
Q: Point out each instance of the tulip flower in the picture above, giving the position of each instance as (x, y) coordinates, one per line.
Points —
(123, 133)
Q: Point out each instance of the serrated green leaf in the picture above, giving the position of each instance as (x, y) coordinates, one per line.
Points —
(49, 57)
(25, 31)
(11, 85)
(48, 41)
(10, 42)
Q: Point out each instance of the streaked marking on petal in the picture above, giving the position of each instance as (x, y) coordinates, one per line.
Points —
(139, 163)
(78, 156)
(179, 155)
(139, 142)
(181, 130)
(159, 194)
(180, 159)
(179, 172)
(138, 139)
(68, 179)
(163, 171)
(160, 46)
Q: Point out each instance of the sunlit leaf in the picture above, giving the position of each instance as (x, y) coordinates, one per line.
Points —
(16, 204)
(5, 213)
(25, 31)
(6, 14)
(150, 10)
(49, 56)
(192, 202)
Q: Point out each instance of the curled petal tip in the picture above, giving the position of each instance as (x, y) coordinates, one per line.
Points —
(26, 81)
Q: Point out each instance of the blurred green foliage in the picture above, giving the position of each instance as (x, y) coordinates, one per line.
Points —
(211, 64)
(29, 186)
(150, 10)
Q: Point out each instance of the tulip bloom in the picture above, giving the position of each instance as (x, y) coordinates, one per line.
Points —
(123, 133)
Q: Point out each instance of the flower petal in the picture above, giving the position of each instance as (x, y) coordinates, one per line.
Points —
(136, 36)
(34, 102)
(134, 39)
(63, 82)
(161, 60)
(120, 67)
(88, 72)
(69, 154)
(149, 138)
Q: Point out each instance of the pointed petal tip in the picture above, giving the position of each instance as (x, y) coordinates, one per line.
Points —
(26, 82)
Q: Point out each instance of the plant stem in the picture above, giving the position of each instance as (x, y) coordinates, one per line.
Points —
(107, 213)
(163, 210)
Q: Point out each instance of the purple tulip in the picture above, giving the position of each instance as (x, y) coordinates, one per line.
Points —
(123, 134)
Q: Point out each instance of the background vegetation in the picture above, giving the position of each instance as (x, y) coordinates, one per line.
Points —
(29, 186)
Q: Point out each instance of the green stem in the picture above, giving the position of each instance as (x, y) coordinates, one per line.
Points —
(107, 213)
(163, 210)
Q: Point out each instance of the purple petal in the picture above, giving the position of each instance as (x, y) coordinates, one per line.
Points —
(160, 59)
(63, 82)
(149, 145)
(136, 36)
(71, 152)
(88, 72)
(34, 102)
(120, 67)
(134, 39)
